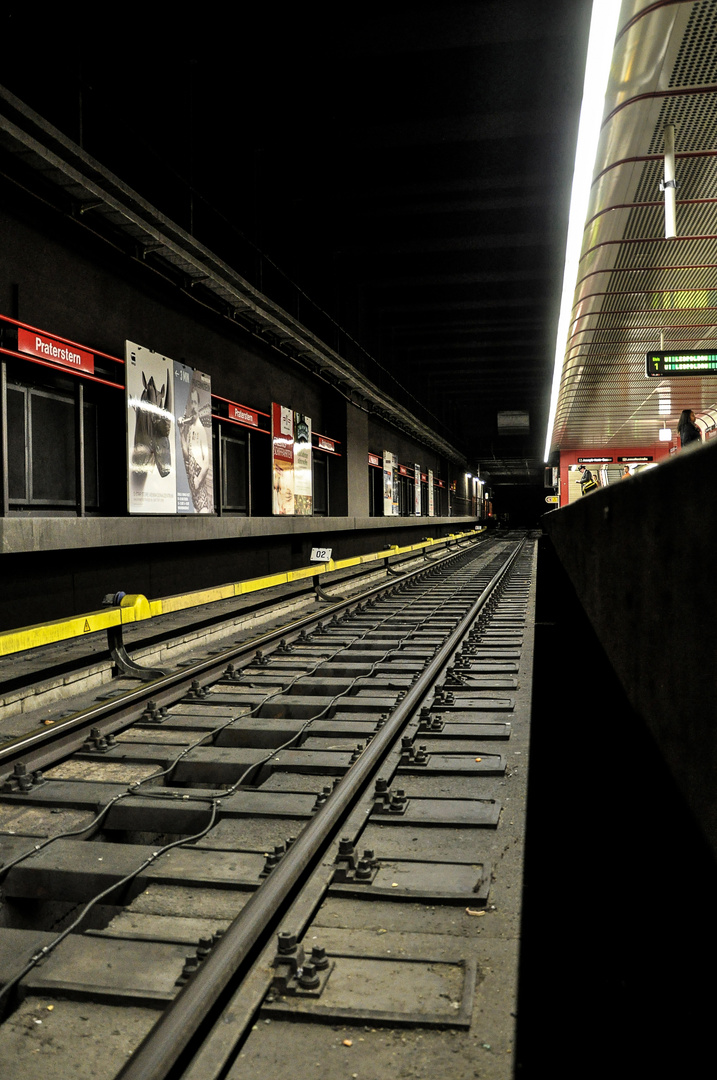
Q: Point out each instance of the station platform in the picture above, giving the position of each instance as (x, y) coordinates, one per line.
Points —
(619, 935)
(55, 566)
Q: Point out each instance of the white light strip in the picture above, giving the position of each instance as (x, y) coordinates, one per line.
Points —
(603, 29)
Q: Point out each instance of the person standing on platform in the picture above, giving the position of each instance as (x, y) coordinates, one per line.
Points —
(687, 428)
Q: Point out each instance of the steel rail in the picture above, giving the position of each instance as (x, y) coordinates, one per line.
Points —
(165, 1044)
(67, 735)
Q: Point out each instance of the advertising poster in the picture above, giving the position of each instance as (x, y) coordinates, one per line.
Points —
(151, 457)
(282, 437)
(193, 440)
(430, 493)
(417, 489)
(388, 499)
(303, 488)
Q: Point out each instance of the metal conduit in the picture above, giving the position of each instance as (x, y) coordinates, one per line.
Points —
(178, 1025)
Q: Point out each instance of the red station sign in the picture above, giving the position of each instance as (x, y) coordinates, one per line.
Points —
(55, 352)
(242, 414)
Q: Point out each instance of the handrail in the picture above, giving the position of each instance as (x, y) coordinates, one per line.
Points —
(134, 607)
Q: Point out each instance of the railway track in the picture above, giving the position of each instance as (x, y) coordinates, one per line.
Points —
(34, 683)
(199, 872)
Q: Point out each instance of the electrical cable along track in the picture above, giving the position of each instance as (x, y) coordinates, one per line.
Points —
(314, 848)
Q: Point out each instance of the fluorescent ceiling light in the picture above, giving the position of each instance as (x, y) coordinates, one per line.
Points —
(603, 28)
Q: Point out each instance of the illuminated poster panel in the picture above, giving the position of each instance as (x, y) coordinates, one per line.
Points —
(417, 489)
(151, 455)
(282, 437)
(389, 500)
(193, 440)
(303, 488)
(431, 510)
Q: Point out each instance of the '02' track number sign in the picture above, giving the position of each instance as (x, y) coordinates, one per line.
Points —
(321, 554)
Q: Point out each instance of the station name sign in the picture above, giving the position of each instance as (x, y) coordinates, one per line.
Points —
(596, 460)
(661, 365)
(56, 352)
(242, 415)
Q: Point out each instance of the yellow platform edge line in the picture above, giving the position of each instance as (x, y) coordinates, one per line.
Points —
(134, 607)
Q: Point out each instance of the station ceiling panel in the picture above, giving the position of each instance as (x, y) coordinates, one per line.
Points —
(636, 289)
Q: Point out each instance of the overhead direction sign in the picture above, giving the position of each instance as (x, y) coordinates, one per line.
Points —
(661, 365)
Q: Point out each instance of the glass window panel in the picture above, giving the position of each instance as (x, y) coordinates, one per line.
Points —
(236, 474)
(321, 485)
(16, 443)
(52, 425)
(91, 488)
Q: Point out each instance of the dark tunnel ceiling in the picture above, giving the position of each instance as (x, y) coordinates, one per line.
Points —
(406, 165)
